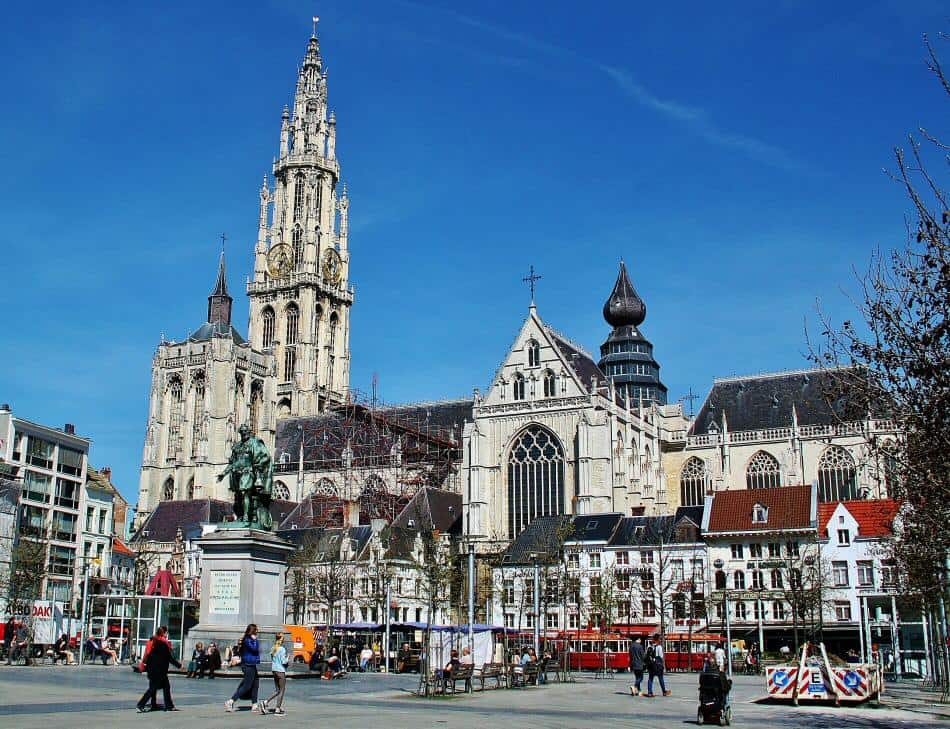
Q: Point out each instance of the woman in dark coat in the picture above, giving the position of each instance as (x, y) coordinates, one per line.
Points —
(250, 652)
(158, 657)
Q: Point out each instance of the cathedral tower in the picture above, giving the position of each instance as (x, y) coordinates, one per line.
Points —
(627, 357)
(300, 296)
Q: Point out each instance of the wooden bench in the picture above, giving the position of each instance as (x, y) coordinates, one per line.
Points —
(552, 670)
(528, 676)
(462, 673)
(497, 671)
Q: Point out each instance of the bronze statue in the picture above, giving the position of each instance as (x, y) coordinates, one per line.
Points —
(252, 481)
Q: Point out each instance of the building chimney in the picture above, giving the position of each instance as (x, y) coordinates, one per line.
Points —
(69, 428)
(106, 472)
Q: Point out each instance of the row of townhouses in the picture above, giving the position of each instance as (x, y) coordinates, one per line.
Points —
(772, 566)
(52, 496)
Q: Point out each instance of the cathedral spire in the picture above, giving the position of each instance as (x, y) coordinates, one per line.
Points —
(219, 302)
(624, 307)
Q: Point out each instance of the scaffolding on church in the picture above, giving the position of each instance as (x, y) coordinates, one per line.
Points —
(383, 453)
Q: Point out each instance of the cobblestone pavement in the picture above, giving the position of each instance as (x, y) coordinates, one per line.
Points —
(97, 696)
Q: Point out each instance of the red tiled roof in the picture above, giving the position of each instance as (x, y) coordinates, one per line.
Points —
(789, 508)
(119, 547)
(875, 517)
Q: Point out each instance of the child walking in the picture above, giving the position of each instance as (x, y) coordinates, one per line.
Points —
(278, 663)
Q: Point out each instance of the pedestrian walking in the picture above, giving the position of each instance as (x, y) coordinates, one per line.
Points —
(636, 664)
(250, 654)
(278, 667)
(158, 655)
(655, 667)
(8, 631)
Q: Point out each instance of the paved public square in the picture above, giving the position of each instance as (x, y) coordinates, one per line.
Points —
(96, 696)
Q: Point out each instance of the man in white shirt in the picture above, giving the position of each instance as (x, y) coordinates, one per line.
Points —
(720, 655)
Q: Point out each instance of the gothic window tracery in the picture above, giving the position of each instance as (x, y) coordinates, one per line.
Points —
(535, 478)
(281, 492)
(837, 475)
(534, 354)
(175, 398)
(267, 328)
(293, 323)
(517, 386)
(254, 406)
(290, 363)
(297, 239)
(763, 471)
(550, 384)
(197, 411)
(693, 482)
(299, 189)
(325, 487)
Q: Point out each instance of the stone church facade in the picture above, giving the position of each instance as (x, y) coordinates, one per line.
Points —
(295, 360)
(555, 435)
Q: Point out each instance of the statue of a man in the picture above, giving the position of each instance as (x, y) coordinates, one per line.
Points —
(252, 480)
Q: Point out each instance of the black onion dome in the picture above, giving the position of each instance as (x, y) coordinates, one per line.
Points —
(624, 307)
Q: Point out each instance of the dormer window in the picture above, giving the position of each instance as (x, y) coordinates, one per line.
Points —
(534, 354)
(760, 514)
(844, 537)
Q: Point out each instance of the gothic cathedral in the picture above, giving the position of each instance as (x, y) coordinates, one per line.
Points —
(296, 359)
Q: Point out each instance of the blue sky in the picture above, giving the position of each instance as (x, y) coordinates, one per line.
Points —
(732, 156)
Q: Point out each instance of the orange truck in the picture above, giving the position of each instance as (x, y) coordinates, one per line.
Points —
(301, 638)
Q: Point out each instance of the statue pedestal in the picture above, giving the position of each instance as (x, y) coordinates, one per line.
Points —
(242, 582)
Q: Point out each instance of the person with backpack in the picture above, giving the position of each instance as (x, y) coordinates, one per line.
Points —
(158, 656)
(636, 664)
(655, 667)
(250, 653)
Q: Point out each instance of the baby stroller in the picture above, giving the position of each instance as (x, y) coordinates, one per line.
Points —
(714, 703)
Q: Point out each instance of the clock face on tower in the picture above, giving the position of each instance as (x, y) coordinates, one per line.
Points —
(332, 267)
(280, 261)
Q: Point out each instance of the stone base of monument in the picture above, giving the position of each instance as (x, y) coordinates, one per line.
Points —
(242, 582)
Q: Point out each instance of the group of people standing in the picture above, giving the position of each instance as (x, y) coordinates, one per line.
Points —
(650, 659)
(159, 657)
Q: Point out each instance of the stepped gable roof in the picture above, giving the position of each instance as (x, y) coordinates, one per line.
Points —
(98, 479)
(120, 547)
(189, 514)
(314, 511)
(624, 307)
(693, 513)
(583, 365)
(875, 517)
(595, 527)
(789, 507)
(376, 433)
(539, 538)
(215, 329)
(442, 509)
(760, 402)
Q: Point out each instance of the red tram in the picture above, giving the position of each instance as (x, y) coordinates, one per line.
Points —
(596, 650)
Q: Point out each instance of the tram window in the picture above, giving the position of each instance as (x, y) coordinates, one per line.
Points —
(586, 646)
(612, 646)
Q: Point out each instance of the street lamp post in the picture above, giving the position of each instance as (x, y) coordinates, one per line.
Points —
(85, 602)
(537, 605)
(471, 598)
(725, 605)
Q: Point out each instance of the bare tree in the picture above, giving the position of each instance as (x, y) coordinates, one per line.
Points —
(895, 361)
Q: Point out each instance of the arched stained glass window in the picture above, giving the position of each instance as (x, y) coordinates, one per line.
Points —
(693, 482)
(837, 475)
(535, 478)
(763, 471)
(267, 327)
